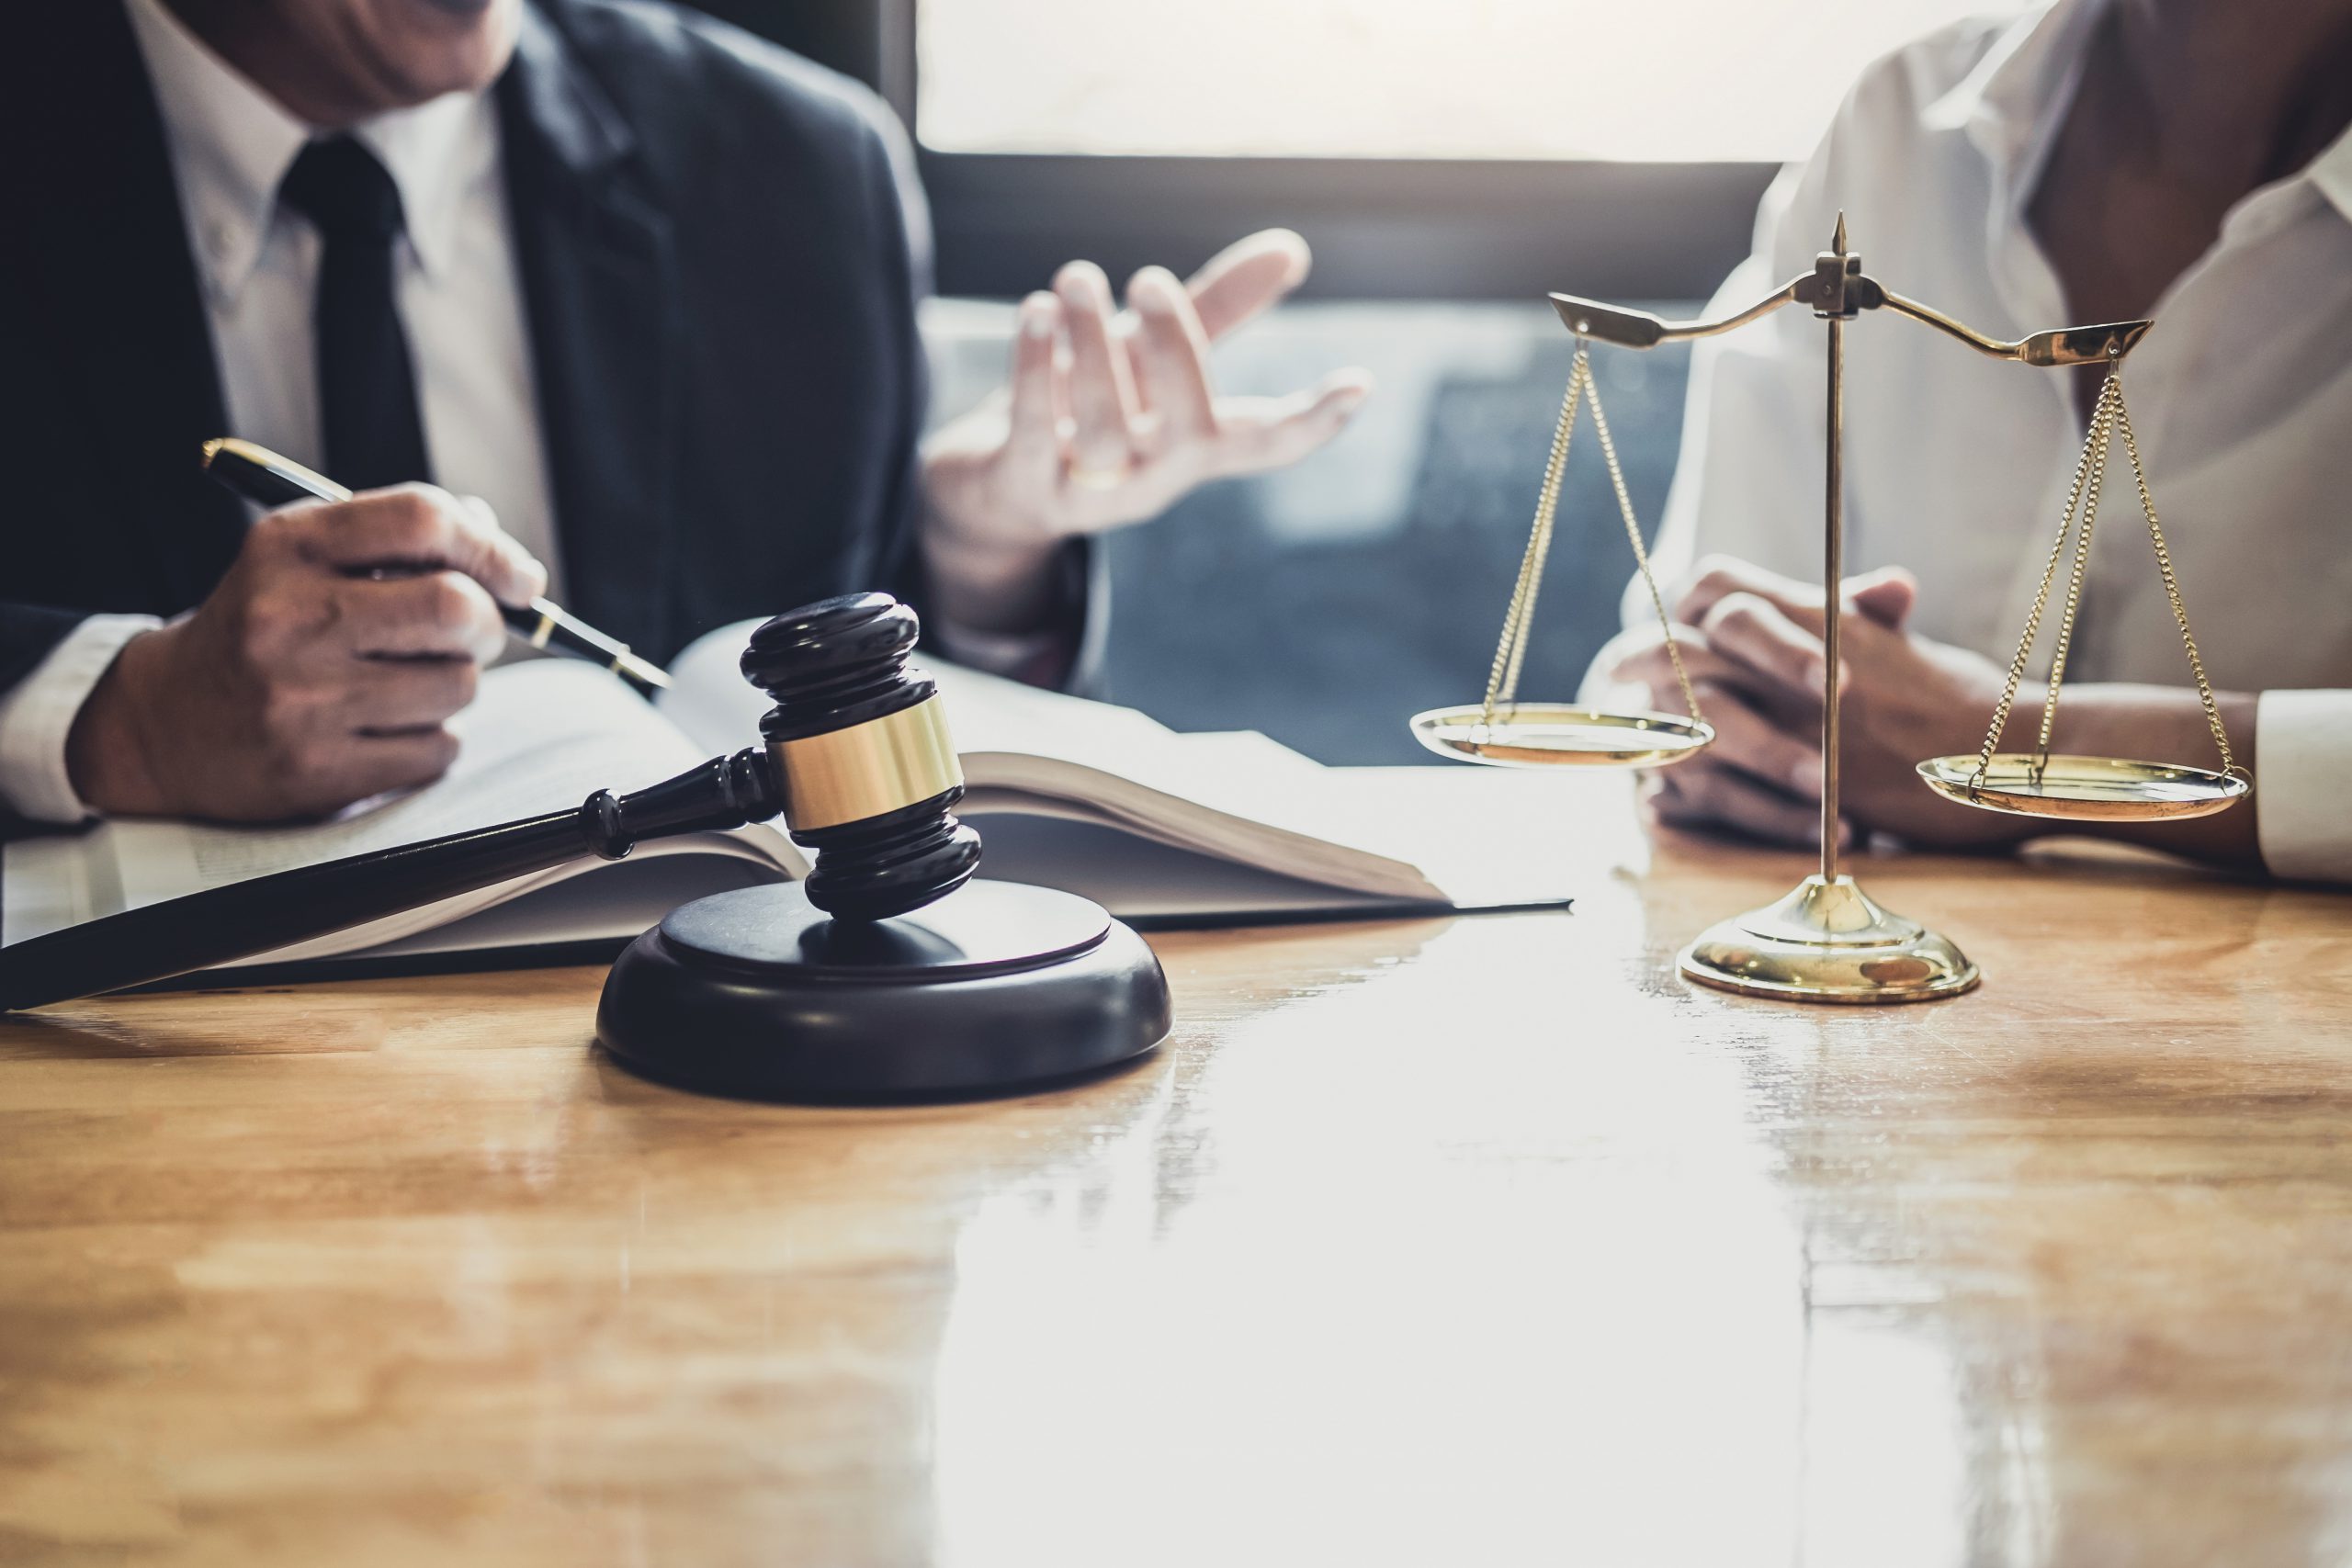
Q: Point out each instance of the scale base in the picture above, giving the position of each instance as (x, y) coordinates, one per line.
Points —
(1829, 942)
(759, 994)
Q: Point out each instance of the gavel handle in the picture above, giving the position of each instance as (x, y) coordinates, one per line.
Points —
(222, 924)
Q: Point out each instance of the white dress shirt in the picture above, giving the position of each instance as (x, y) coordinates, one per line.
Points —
(1958, 465)
(455, 284)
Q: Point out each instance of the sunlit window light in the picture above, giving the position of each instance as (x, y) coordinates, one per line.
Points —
(1662, 80)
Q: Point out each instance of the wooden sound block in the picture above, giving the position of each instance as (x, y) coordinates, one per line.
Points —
(758, 993)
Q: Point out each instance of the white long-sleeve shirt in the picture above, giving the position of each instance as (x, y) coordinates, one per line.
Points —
(1957, 466)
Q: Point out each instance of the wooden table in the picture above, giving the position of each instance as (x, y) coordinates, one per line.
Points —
(1470, 1242)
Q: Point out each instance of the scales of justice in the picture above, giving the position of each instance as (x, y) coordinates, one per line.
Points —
(1827, 941)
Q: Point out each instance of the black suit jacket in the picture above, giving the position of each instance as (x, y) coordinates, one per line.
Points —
(721, 246)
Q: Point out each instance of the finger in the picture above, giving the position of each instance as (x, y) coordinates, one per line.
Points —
(1886, 595)
(1750, 630)
(494, 558)
(1716, 578)
(1257, 434)
(1171, 357)
(417, 525)
(1746, 740)
(390, 696)
(1033, 440)
(439, 613)
(1643, 661)
(1651, 788)
(372, 764)
(1696, 796)
(1246, 277)
(1102, 394)
(355, 767)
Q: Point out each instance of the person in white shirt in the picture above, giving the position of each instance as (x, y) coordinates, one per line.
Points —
(652, 282)
(2088, 161)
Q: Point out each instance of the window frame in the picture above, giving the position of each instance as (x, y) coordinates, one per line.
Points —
(1381, 228)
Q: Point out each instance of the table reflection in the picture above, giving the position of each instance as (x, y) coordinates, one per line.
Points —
(1434, 1269)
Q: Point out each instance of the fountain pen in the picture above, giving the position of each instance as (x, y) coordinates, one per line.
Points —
(261, 475)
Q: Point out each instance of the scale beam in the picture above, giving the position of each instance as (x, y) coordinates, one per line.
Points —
(1639, 329)
(2105, 343)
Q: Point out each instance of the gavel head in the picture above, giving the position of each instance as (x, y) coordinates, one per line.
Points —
(867, 775)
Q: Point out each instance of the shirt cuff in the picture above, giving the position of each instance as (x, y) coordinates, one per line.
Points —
(998, 653)
(38, 713)
(1047, 656)
(2303, 745)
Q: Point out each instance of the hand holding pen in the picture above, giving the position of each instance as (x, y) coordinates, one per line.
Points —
(261, 475)
(306, 681)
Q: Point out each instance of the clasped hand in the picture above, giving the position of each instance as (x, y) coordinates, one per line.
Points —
(1752, 643)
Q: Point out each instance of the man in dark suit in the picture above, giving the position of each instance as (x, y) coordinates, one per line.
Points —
(645, 284)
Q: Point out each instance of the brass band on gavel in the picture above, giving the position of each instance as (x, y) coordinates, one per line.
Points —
(868, 769)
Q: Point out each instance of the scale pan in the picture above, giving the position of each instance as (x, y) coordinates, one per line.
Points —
(2088, 789)
(1548, 734)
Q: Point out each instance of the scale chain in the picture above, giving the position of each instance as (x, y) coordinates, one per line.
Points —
(2093, 449)
(2109, 415)
(2172, 589)
(2102, 438)
(1640, 554)
(1541, 550)
(1503, 679)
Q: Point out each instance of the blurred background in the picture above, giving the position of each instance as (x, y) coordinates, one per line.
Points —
(1449, 164)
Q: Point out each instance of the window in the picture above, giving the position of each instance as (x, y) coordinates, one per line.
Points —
(1430, 149)
(1663, 80)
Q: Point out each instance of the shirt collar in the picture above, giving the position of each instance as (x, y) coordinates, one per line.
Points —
(232, 143)
(2332, 173)
(435, 153)
(2012, 102)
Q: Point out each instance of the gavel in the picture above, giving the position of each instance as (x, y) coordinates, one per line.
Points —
(827, 989)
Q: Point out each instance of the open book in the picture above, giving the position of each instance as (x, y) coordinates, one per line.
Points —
(1163, 829)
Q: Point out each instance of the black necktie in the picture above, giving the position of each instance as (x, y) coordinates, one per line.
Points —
(367, 388)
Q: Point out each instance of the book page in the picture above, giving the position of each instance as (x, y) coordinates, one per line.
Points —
(1238, 796)
(622, 899)
(716, 707)
(1146, 881)
(541, 736)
